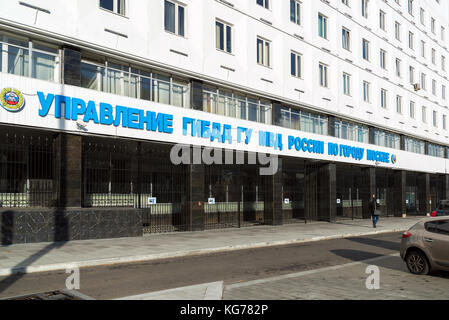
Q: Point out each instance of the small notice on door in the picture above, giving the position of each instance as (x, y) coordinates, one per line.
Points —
(211, 200)
(152, 200)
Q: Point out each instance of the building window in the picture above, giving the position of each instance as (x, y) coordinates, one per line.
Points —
(434, 59)
(423, 49)
(423, 81)
(398, 68)
(174, 18)
(386, 139)
(412, 109)
(444, 123)
(323, 75)
(295, 12)
(300, 120)
(432, 25)
(346, 84)
(399, 104)
(383, 59)
(443, 34)
(443, 92)
(424, 114)
(397, 30)
(383, 98)
(223, 34)
(263, 52)
(415, 146)
(412, 74)
(411, 44)
(366, 91)
(365, 49)
(135, 83)
(296, 64)
(365, 8)
(264, 3)
(434, 87)
(322, 26)
(410, 7)
(435, 119)
(116, 6)
(346, 39)
(382, 20)
(236, 105)
(27, 58)
(443, 63)
(351, 131)
(421, 16)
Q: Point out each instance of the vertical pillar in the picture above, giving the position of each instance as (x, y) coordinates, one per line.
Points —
(401, 184)
(276, 113)
(331, 126)
(446, 189)
(368, 190)
(273, 214)
(424, 193)
(327, 193)
(195, 203)
(72, 66)
(69, 155)
(197, 95)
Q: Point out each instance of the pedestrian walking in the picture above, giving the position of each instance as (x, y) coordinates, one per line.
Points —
(375, 214)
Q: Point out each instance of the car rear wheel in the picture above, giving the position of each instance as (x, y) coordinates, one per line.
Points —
(417, 263)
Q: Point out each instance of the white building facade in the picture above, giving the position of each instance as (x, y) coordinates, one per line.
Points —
(99, 91)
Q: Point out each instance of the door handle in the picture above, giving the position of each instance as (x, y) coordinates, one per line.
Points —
(428, 240)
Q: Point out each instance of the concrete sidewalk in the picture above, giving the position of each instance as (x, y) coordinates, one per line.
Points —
(42, 257)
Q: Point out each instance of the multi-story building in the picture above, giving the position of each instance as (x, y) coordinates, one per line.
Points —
(350, 95)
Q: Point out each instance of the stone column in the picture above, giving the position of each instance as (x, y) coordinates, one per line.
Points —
(72, 66)
(273, 214)
(368, 190)
(195, 201)
(69, 170)
(327, 193)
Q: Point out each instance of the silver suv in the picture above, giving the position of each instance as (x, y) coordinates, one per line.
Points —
(425, 246)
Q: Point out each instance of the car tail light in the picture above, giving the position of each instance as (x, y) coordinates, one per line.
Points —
(434, 214)
(406, 235)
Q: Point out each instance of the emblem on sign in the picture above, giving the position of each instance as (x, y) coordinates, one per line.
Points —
(12, 99)
(394, 159)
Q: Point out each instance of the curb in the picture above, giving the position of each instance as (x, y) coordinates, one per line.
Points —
(144, 258)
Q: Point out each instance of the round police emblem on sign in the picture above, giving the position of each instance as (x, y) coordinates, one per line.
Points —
(12, 99)
(394, 159)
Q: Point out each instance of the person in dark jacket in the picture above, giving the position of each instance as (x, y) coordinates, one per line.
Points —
(373, 210)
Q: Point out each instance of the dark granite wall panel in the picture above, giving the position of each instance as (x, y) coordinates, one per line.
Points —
(31, 226)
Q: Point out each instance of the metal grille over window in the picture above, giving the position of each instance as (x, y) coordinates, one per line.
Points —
(26, 170)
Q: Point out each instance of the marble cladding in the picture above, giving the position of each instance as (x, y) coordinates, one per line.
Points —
(53, 225)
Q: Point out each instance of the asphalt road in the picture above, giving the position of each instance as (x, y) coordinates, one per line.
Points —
(109, 282)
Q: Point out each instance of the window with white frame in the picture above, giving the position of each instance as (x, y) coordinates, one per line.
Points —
(365, 49)
(435, 119)
(322, 26)
(323, 69)
(346, 39)
(295, 11)
(116, 6)
(346, 84)
(174, 18)
(134, 82)
(412, 109)
(444, 122)
(412, 74)
(443, 92)
(424, 114)
(365, 8)
(434, 59)
(397, 30)
(443, 63)
(411, 41)
(263, 52)
(434, 87)
(398, 68)
(423, 48)
(410, 7)
(399, 104)
(296, 64)
(366, 91)
(382, 20)
(264, 3)
(423, 81)
(383, 98)
(29, 58)
(383, 59)
(223, 36)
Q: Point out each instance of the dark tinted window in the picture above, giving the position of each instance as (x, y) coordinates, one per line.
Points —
(443, 227)
(107, 4)
(431, 226)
